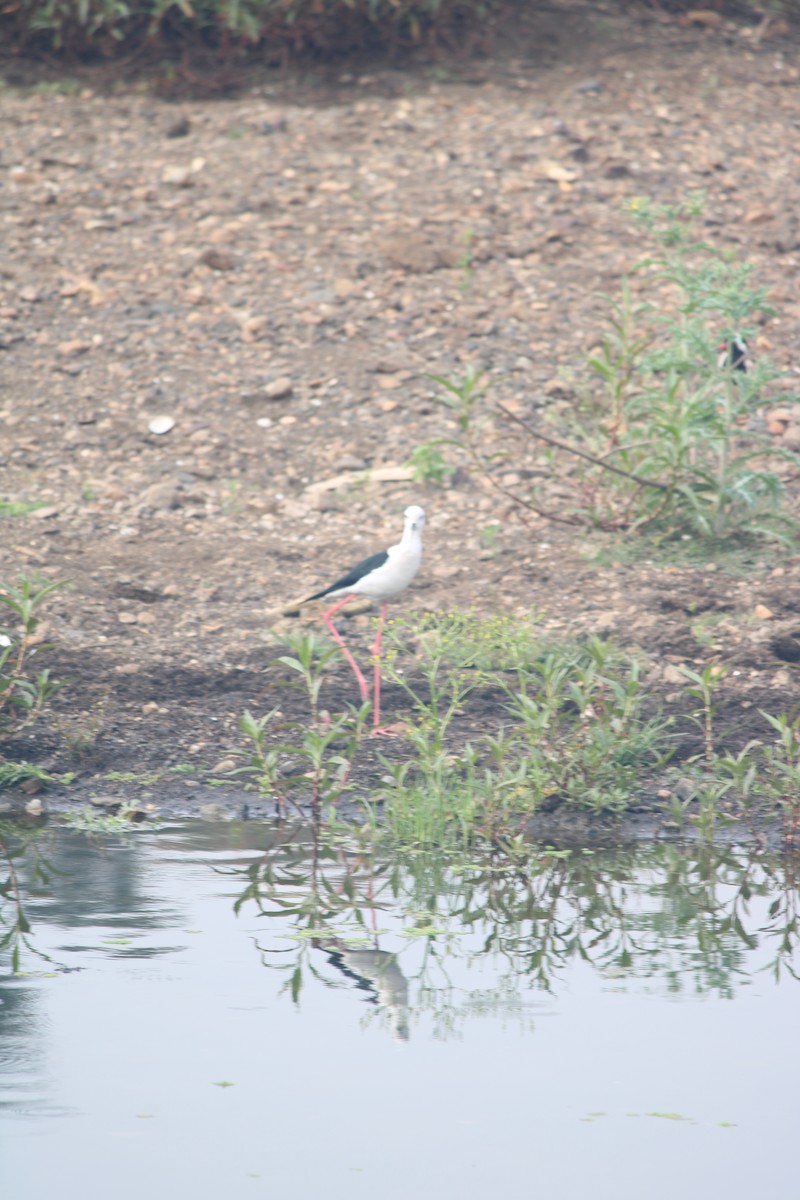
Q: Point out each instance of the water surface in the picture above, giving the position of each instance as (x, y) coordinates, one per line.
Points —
(231, 1010)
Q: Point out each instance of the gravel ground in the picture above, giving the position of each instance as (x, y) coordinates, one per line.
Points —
(275, 274)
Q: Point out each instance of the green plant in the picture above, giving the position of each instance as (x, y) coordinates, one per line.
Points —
(574, 730)
(81, 733)
(19, 508)
(232, 504)
(95, 821)
(490, 538)
(703, 684)
(669, 448)
(12, 773)
(316, 764)
(782, 761)
(18, 850)
(23, 694)
(428, 464)
(275, 27)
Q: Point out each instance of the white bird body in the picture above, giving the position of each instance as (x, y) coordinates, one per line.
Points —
(379, 577)
(388, 573)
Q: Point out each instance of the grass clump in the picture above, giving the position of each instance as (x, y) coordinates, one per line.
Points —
(272, 29)
(574, 730)
(24, 691)
(668, 446)
(19, 508)
(312, 760)
(503, 722)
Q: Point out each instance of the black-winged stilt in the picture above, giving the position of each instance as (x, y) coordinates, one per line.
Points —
(734, 355)
(379, 577)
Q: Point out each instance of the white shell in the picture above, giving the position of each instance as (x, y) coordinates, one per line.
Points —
(161, 424)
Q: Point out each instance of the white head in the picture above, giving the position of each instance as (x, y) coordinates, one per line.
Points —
(415, 519)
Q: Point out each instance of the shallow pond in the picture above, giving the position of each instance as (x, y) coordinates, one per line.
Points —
(235, 1010)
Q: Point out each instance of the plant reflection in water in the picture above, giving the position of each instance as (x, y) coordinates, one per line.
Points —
(688, 918)
(24, 869)
(452, 937)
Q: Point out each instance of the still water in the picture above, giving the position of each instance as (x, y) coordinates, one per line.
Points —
(232, 1010)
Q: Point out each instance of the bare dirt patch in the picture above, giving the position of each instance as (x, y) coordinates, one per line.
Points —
(276, 273)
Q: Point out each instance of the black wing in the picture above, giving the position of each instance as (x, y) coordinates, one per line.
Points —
(365, 567)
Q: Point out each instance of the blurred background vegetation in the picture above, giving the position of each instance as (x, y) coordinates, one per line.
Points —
(277, 31)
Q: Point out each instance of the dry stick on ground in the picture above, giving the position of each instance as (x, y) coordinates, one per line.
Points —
(540, 512)
(598, 462)
(505, 491)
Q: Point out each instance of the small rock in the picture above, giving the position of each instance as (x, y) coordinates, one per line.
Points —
(177, 176)
(589, 85)
(389, 382)
(786, 648)
(253, 329)
(105, 801)
(325, 502)
(126, 618)
(73, 347)
(225, 764)
(150, 707)
(34, 808)
(23, 175)
(279, 389)
(557, 172)
(179, 128)
(160, 425)
(344, 287)
(163, 496)
(762, 613)
(44, 514)
(218, 260)
(703, 17)
(350, 462)
(212, 812)
(671, 674)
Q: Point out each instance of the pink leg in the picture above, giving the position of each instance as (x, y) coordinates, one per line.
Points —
(337, 637)
(376, 658)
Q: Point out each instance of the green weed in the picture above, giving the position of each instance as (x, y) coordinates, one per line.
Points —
(23, 869)
(669, 448)
(429, 465)
(12, 773)
(501, 723)
(97, 821)
(316, 760)
(277, 26)
(23, 691)
(19, 508)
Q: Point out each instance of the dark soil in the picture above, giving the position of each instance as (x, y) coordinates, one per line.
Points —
(277, 273)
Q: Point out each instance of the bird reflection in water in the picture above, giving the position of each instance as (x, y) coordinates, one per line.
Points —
(378, 973)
